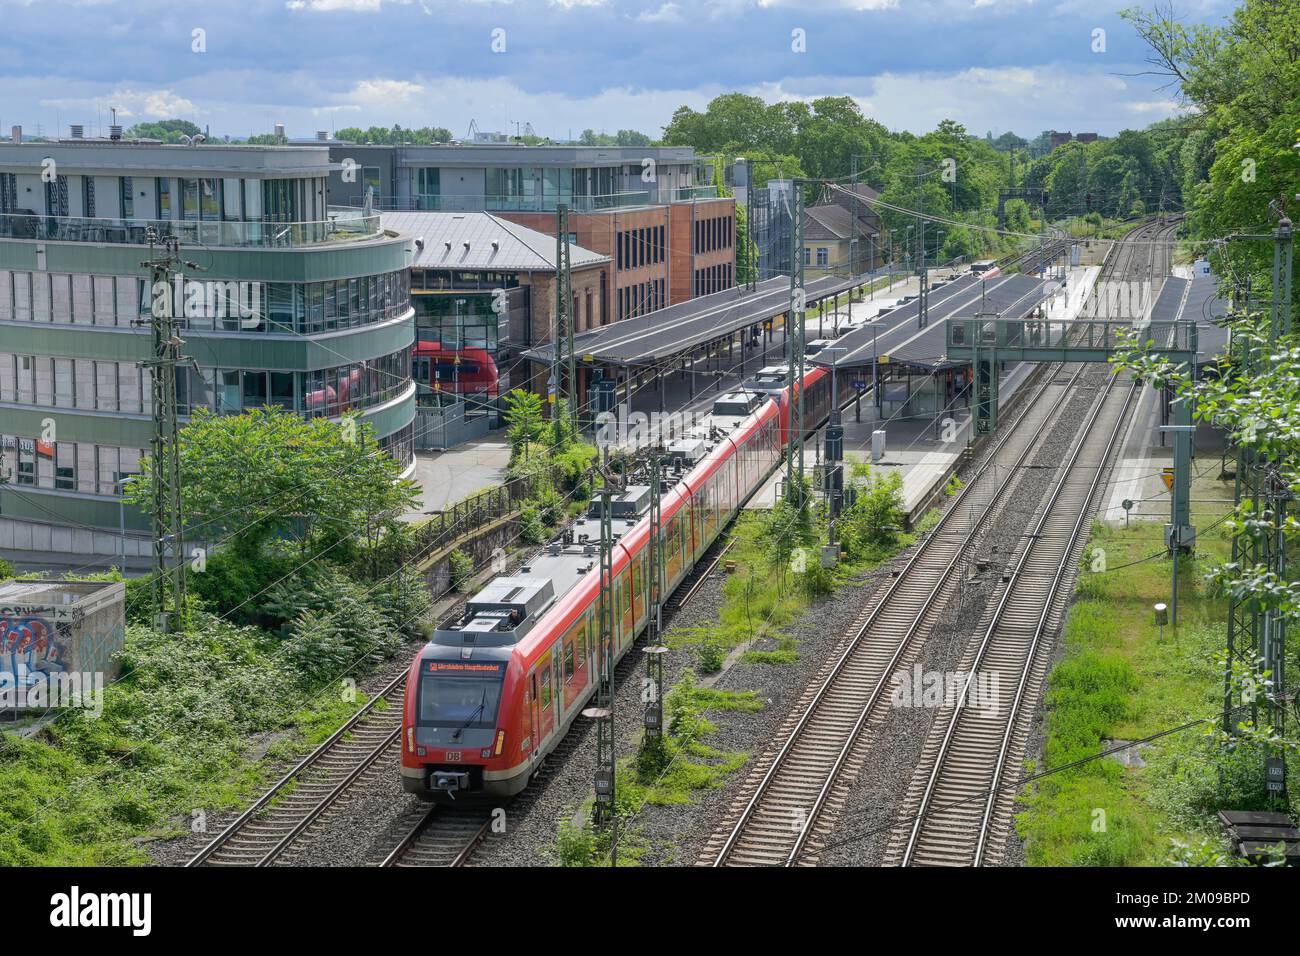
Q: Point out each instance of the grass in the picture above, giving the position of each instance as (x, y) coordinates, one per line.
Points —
(1119, 680)
(668, 773)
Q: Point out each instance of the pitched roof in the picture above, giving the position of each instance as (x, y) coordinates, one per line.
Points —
(480, 240)
(827, 222)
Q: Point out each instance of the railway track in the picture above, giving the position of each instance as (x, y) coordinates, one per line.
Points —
(267, 830)
(960, 803)
(444, 836)
(958, 809)
(790, 786)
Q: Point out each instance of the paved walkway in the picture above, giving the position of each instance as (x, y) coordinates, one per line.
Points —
(446, 477)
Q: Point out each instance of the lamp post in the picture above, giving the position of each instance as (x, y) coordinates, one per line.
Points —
(121, 515)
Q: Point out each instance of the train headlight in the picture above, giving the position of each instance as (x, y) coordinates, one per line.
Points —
(410, 740)
(501, 741)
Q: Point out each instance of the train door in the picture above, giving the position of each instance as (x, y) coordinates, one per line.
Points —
(546, 696)
(532, 715)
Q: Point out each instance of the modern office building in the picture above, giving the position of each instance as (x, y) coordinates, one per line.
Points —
(291, 303)
(652, 210)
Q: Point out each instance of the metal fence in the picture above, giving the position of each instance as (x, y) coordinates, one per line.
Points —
(470, 514)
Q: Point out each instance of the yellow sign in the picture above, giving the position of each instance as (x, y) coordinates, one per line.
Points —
(884, 360)
(1168, 478)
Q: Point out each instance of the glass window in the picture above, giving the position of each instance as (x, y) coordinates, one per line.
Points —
(164, 199)
(128, 197)
(455, 693)
(210, 199)
(229, 400)
(282, 391)
(254, 389)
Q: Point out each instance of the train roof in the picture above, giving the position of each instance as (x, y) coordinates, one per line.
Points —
(505, 611)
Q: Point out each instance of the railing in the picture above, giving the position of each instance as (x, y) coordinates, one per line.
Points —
(469, 515)
(691, 193)
(1068, 335)
(347, 225)
(488, 203)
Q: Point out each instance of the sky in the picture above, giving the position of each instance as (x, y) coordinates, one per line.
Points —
(241, 66)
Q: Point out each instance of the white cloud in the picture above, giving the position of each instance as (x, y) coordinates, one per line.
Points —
(667, 13)
(385, 91)
(130, 104)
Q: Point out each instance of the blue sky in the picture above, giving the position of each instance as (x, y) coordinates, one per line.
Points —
(1024, 65)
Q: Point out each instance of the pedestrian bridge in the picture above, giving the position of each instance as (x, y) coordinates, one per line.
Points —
(1066, 340)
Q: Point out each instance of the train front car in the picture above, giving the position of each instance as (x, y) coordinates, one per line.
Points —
(461, 731)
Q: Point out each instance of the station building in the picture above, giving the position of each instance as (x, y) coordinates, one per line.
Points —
(484, 289)
(652, 210)
(324, 324)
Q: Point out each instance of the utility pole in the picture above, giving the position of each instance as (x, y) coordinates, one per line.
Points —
(564, 320)
(605, 811)
(923, 302)
(654, 710)
(1262, 632)
(795, 337)
(168, 530)
(751, 253)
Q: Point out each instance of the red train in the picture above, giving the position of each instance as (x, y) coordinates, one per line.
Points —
(467, 371)
(499, 686)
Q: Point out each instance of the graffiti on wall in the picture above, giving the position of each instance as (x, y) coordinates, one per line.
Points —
(32, 646)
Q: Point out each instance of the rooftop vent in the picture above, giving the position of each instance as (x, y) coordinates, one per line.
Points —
(115, 133)
(323, 135)
(16, 134)
(279, 131)
(78, 131)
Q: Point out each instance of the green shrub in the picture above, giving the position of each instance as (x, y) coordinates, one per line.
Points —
(462, 570)
(6, 570)
(531, 527)
(710, 656)
(232, 584)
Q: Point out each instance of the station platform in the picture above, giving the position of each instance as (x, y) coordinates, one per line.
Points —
(924, 450)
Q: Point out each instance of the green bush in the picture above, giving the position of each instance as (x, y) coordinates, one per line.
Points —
(6, 570)
(231, 585)
(462, 570)
(531, 527)
(710, 656)
(874, 522)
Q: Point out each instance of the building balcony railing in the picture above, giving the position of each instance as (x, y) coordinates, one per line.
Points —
(692, 193)
(479, 203)
(343, 225)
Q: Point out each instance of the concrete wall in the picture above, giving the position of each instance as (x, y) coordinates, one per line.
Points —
(479, 546)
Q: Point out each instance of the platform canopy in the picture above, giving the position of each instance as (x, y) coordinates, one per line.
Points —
(1010, 295)
(650, 339)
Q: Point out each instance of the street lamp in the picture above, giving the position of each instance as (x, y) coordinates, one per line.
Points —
(121, 515)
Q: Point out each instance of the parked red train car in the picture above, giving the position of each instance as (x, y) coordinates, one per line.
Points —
(499, 686)
(467, 371)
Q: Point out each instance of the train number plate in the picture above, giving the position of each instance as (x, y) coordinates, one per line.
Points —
(452, 756)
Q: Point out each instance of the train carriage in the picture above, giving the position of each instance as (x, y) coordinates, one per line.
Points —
(498, 687)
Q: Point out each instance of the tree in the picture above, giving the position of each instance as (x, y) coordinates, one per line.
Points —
(524, 424)
(169, 131)
(269, 475)
(1242, 84)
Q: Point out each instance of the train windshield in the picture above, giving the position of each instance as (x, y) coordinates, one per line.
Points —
(460, 693)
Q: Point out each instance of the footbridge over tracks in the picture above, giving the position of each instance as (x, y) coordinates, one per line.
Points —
(987, 340)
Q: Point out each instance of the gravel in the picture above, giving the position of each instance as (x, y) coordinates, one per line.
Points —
(365, 825)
